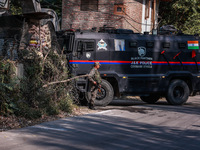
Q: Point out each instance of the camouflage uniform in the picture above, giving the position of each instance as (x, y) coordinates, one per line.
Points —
(94, 75)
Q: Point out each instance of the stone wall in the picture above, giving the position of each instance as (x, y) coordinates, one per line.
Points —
(73, 16)
(38, 37)
(10, 33)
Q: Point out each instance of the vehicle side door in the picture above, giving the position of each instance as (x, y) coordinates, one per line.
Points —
(84, 55)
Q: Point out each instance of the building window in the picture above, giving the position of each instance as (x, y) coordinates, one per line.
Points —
(149, 44)
(133, 44)
(182, 45)
(166, 45)
(119, 9)
(85, 45)
(89, 5)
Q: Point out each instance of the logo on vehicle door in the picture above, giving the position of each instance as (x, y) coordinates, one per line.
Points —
(141, 51)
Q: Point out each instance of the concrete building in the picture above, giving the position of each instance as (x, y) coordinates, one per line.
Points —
(138, 15)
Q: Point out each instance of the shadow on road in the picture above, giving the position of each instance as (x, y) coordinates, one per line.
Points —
(114, 133)
(103, 131)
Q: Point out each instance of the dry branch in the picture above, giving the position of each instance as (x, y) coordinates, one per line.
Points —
(63, 81)
(46, 55)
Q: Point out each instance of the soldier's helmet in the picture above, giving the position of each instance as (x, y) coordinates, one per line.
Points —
(97, 63)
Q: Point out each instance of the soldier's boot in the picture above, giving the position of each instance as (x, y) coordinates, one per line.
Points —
(91, 106)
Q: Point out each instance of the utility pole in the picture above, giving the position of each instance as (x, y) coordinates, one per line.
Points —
(154, 13)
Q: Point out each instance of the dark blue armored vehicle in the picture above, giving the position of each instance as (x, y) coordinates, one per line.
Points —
(150, 66)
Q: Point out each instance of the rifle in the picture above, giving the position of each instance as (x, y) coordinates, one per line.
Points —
(97, 86)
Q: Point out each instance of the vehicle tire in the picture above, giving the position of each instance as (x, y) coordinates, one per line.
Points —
(178, 92)
(151, 99)
(104, 96)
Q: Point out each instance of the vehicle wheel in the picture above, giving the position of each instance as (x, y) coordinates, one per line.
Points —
(178, 92)
(104, 95)
(151, 99)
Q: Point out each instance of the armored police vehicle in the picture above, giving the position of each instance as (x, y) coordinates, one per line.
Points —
(149, 66)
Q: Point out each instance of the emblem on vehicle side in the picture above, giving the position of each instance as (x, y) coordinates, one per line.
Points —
(141, 51)
(102, 45)
(88, 55)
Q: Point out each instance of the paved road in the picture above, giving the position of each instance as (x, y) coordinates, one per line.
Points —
(131, 126)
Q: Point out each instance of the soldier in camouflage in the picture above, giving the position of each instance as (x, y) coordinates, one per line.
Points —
(95, 81)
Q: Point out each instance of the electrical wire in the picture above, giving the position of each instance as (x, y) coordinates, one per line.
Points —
(108, 5)
(118, 15)
(60, 7)
(131, 25)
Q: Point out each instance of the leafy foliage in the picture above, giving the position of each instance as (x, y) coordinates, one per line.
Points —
(15, 7)
(26, 97)
(183, 14)
(8, 87)
(38, 72)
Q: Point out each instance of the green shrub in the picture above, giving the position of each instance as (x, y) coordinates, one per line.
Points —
(8, 88)
(66, 104)
(52, 109)
(26, 111)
